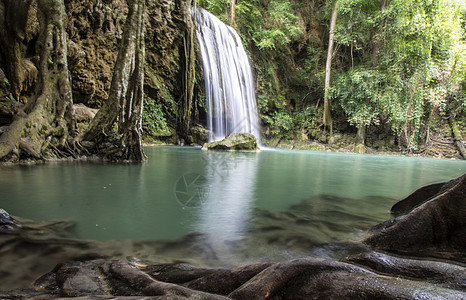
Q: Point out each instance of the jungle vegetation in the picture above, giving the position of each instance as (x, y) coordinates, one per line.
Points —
(385, 72)
(398, 68)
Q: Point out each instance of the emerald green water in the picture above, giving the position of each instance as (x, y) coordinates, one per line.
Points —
(181, 190)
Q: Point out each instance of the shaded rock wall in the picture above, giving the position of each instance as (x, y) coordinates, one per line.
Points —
(95, 28)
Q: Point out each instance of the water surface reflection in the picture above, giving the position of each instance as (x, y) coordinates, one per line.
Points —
(241, 193)
(231, 182)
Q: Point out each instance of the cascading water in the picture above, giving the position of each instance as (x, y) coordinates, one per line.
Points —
(229, 82)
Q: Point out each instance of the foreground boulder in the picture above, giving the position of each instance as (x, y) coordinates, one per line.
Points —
(434, 225)
(234, 142)
(422, 195)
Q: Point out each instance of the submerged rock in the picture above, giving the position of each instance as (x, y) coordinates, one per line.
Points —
(8, 225)
(235, 142)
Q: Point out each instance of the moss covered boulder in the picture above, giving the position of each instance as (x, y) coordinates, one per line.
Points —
(199, 135)
(234, 142)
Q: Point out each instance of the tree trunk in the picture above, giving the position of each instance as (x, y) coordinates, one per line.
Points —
(376, 49)
(457, 135)
(232, 12)
(43, 128)
(327, 118)
(360, 145)
(125, 99)
(131, 125)
(184, 119)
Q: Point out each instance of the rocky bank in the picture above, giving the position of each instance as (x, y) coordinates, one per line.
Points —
(234, 142)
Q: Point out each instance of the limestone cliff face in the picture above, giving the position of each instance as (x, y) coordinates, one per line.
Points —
(94, 33)
(94, 29)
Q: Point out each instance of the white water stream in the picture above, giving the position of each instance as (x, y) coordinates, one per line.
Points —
(229, 82)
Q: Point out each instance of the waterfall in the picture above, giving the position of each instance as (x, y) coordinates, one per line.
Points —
(229, 83)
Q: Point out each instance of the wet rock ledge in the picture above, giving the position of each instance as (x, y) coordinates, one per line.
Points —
(423, 257)
(234, 142)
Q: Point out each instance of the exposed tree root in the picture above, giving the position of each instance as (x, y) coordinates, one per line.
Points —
(433, 226)
(47, 118)
(457, 135)
(47, 127)
(126, 93)
(370, 276)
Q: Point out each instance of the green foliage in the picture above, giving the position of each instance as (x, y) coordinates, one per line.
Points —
(280, 25)
(306, 121)
(356, 20)
(287, 125)
(153, 119)
(393, 66)
(217, 7)
(280, 124)
(419, 66)
(268, 24)
(423, 37)
(357, 91)
(249, 17)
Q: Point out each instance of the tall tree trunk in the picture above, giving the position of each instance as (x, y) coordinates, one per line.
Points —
(46, 124)
(189, 80)
(131, 121)
(457, 135)
(125, 99)
(327, 118)
(360, 145)
(375, 51)
(232, 12)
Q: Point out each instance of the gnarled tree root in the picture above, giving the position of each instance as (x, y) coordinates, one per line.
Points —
(377, 276)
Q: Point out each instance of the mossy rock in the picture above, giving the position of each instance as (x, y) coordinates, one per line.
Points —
(316, 147)
(199, 135)
(360, 148)
(163, 133)
(234, 142)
